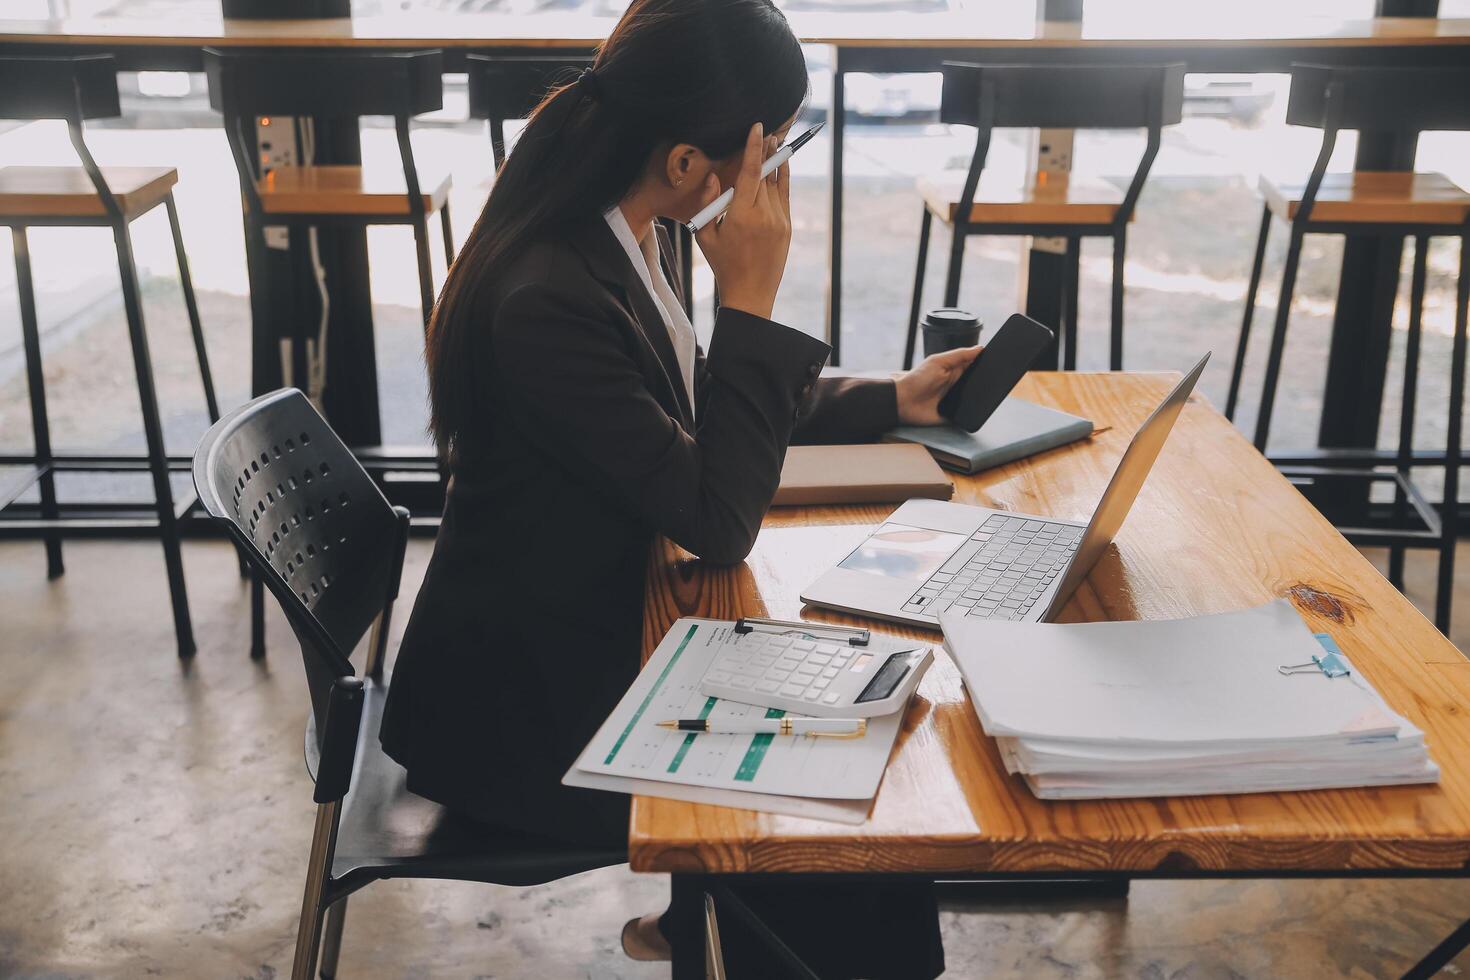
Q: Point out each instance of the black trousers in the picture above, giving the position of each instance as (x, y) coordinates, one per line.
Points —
(840, 930)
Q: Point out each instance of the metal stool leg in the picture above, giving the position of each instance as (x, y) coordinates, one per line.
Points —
(1115, 351)
(1278, 338)
(36, 383)
(187, 283)
(168, 528)
(448, 235)
(912, 339)
(332, 939)
(1407, 406)
(1444, 595)
(426, 276)
(1069, 305)
(1236, 369)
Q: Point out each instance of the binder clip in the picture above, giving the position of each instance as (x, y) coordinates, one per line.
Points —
(1331, 661)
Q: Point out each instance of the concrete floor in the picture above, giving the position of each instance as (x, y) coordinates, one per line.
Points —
(156, 816)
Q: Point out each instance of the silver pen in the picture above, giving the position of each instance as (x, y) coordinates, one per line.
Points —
(717, 207)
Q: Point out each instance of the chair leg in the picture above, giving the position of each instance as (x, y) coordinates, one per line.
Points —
(1407, 406)
(1069, 305)
(448, 235)
(1238, 368)
(956, 260)
(1278, 339)
(911, 341)
(187, 283)
(332, 939)
(257, 618)
(168, 527)
(1444, 596)
(36, 383)
(1115, 349)
(309, 928)
(426, 276)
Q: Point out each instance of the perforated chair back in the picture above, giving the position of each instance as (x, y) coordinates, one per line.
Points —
(312, 523)
(509, 87)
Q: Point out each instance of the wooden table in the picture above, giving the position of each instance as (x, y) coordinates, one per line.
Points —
(1215, 528)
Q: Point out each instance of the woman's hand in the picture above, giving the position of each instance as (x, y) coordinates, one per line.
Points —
(919, 390)
(747, 248)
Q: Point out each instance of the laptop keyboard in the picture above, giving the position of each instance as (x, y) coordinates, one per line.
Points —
(1002, 571)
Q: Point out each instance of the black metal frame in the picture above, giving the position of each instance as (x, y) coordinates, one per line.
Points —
(76, 89)
(963, 82)
(1321, 99)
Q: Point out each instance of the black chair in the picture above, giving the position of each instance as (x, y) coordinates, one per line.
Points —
(1050, 205)
(248, 84)
(509, 86)
(318, 531)
(1393, 205)
(77, 89)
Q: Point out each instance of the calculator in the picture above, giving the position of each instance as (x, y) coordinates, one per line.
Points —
(812, 674)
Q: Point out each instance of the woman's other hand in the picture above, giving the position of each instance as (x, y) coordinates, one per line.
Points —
(920, 390)
(747, 248)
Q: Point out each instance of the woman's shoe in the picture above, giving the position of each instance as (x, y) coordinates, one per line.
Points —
(643, 941)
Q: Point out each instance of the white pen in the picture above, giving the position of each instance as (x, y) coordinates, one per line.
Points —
(815, 727)
(718, 205)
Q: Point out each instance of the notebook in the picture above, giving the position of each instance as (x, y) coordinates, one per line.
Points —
(867, 474)
(1016, 430)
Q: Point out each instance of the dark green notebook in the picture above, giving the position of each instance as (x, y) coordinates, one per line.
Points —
(1016, 430)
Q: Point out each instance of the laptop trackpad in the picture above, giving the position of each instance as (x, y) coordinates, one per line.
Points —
(903, 552)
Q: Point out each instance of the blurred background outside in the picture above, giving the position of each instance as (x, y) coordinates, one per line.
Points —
(1188, 253)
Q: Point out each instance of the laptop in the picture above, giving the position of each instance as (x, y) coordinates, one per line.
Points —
(931, 555)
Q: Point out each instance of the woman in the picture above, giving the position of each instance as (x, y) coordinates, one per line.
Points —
(579, 418)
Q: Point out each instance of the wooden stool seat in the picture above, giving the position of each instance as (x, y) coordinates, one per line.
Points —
(67, 192)
(346, 190)
(1061, 199)
(1374, 197)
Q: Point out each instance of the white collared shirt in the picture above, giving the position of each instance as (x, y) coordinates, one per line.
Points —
(644, 256)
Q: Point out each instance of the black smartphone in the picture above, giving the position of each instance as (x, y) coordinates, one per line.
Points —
(986, 382)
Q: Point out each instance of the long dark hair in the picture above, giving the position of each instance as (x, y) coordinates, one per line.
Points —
(672, 71)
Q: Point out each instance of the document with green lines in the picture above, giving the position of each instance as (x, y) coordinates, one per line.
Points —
(630, 753)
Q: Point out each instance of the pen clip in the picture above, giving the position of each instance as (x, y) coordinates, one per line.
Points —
(855, 636)
(858, 732)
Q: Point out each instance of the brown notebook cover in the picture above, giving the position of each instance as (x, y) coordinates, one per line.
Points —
(867, 474)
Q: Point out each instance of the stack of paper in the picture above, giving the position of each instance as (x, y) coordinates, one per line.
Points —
(1179, 707)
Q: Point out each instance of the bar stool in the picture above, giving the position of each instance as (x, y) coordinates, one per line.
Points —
(76, 89)
(244, 85)
(1050, 205)
(1395, 205)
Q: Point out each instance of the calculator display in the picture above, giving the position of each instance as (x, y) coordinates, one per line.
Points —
(886, 681)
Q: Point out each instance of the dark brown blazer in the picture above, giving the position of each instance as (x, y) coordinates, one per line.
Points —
(528, 627)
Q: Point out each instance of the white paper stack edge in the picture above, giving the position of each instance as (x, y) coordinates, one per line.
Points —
(1179, 708)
